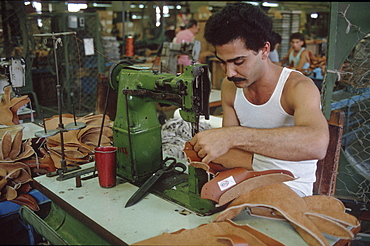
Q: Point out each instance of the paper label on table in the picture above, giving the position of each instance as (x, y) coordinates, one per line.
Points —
(226, 183)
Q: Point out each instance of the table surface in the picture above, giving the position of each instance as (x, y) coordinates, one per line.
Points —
(151, 216)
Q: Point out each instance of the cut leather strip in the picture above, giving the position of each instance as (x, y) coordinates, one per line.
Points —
(209, 234)
(217, 186)
(6, 145)
(329, 226)
(331, 208)
(253, 183)
(16, 145)
(283, 199)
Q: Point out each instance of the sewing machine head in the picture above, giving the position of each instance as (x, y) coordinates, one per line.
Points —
(136, 130)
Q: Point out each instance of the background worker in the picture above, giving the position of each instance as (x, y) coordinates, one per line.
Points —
(270, 112)
(298, 56)
(186, 35)
(275, 43)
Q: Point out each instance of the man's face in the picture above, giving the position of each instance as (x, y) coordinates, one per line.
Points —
(296, 44)
(241, 65)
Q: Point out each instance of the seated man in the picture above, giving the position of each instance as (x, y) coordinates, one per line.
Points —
(298, 57)
(270, 112)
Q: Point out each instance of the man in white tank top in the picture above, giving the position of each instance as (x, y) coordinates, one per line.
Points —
(270, 114)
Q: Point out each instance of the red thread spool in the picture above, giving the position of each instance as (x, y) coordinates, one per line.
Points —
(130, 48)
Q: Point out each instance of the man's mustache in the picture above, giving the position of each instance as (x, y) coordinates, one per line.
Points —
(235, 79)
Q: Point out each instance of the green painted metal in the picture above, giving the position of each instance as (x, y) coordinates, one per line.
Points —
(60, 228)
(345, 18)
(137, 131)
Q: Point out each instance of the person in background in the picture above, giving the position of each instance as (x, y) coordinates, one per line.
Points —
(186, 35)
(270, 113)
(275, 42)
(298, 56)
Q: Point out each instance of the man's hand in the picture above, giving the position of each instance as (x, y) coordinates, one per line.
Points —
(211, 144)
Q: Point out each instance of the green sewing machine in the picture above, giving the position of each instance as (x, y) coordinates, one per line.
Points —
(137, 131)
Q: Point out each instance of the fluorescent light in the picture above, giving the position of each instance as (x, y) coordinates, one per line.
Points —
(141, 6)
(254, 3)
(267, 4)
(102, 5)
(75, 7)
(27, 3)
(314, 15)
(178, 6)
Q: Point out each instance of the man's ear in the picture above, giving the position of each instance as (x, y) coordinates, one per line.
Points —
(266, 50)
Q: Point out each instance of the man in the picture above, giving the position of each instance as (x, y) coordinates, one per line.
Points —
(268, 110)
(275, 43)
(186, 35)
(298, 57)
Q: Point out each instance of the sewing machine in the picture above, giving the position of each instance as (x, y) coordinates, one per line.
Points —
(137, 131)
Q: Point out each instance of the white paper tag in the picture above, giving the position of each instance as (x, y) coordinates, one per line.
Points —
(226, 183)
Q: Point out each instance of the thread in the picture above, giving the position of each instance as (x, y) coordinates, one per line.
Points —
(130, 48)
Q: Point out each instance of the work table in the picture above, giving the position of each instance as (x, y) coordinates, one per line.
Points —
(103, 211)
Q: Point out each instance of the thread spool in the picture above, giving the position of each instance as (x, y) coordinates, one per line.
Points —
(130, 48)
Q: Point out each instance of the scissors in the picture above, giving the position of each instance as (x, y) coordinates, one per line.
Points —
(143, 190)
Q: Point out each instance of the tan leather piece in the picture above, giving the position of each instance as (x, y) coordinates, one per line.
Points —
(15, 175)
(9, 107)
(26, 151)
(253, 183)
(6, 145)
(78, 144)
(16, 103)
(330, 207)
(13, 149)
(279, 197)
(233, 158)
(16, 145)
(213, 234)
(216, 187)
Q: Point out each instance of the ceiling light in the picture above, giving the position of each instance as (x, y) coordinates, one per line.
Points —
(314, 15)
(267, 4)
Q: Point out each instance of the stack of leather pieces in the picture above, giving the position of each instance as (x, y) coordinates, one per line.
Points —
(264, 194)
(78, 144)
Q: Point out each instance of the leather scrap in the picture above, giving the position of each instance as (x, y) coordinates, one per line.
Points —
(233, 158)
(216, 233)
(282, 199)
(78, 144)
(26, 200)
(9, 107)
(227, 185)
(13, 150)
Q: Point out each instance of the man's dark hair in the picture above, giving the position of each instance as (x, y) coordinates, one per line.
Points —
(239, 20)
(274, 40)
(298, 35)
(191, 23)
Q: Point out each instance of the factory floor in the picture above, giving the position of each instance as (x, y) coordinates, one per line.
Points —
(13, 232)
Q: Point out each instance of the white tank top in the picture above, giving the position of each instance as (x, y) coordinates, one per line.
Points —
(272, 115)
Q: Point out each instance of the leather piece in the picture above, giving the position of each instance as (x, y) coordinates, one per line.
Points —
(13, 149)
(78, 144)
(27, 200)
(253, 183)
(233, 158)
(6, 145)
(221, 233)
(9, 107)
(16, 145)
(217, 186)
(279, 197)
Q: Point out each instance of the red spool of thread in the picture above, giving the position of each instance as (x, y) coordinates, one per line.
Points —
(130, 48)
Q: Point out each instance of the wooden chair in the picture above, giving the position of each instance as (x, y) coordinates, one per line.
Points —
(327, 168)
